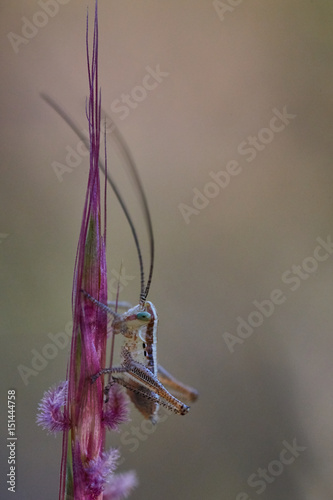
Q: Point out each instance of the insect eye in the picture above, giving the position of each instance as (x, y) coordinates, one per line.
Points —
(143, 316)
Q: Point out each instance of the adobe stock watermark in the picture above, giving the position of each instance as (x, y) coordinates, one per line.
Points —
(118, 282)
(128, 102)
(41, 358)
(72, 160)
(249, 148)
(3, 237)
(74, 155)
(262, 478)
(31, 27)
(59, 341)
(132, 438)
(221, 8)
(122, 106)
(293, 278)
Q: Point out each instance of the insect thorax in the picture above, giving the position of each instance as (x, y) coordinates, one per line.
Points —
(140, 335)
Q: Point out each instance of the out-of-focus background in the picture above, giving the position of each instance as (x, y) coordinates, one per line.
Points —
(232, 134)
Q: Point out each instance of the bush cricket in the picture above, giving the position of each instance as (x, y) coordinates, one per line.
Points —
(146, 382)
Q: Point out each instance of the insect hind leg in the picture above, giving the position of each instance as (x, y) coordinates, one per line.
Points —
(184, 391)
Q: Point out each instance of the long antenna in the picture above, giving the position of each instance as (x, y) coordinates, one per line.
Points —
(143, 291)
(127, 156)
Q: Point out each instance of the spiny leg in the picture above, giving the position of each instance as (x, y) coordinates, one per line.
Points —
(185, 391)
(141, 375)
(102, 306)
(116, 369)
(155, 397)
(143, 382)
(134, 318)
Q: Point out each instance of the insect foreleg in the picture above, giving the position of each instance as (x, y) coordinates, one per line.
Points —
(105, 308)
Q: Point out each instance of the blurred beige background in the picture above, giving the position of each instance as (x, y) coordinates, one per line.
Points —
(227, 69)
